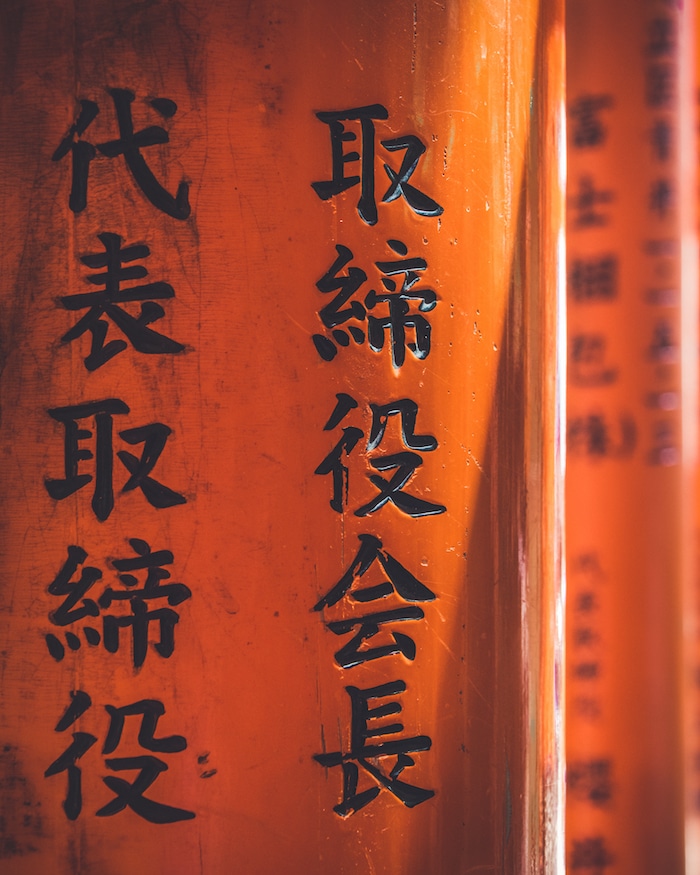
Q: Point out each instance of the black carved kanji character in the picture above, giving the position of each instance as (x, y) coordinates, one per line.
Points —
(661, 197)
(366, 751)
(141, 617)
(105, 303)
(153, 436)
(585, 202)
(593, 279)
(129, 145)
(399, 318)
(586, 125)
(590, 854)
(661, 85)
(399, 579)
(585, 636)
(405, 463)
(82, 742)
(587, 361)
(586, 602)
(399, 186)
(332, 315)
(662, 139)
(663, 348)
(664, 451)
(592, 435)
(590, 781)
(587, 671)
(126, 794)
(662, 37)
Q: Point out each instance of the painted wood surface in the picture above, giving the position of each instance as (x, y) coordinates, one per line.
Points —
(190, 145)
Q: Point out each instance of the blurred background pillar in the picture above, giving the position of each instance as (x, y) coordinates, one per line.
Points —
(631, 431)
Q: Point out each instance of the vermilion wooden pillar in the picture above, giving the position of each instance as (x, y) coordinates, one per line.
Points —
(632, 315)
(324, 239)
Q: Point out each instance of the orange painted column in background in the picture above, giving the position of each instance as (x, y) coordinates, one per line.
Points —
(692, 678)
(324, 241)
(631, 305)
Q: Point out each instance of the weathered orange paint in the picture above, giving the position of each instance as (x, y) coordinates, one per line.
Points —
(252, 683)
(630, 462)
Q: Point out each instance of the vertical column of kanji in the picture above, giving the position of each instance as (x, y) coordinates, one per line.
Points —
(98, 538)
(436, 593)
(692, 680)
(629, 223)
(383, 298)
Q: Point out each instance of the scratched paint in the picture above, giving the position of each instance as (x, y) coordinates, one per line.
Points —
(234, 106)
